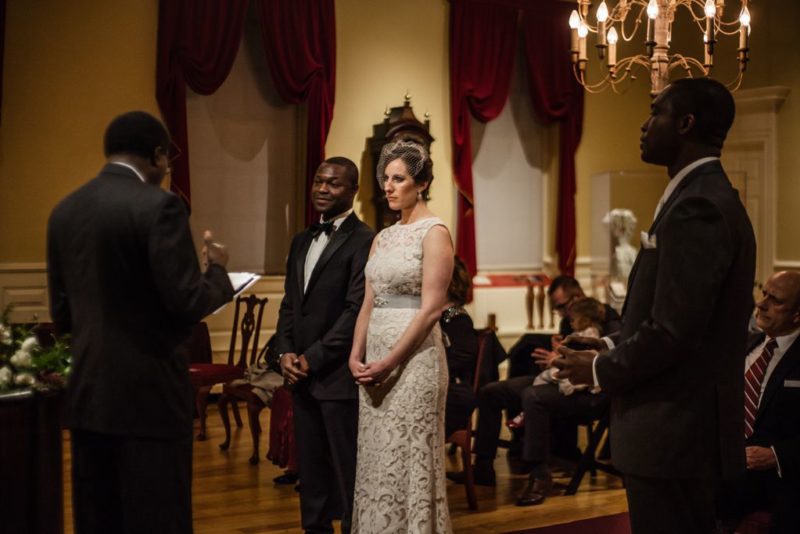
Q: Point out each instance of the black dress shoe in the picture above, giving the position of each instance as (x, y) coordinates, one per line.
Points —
(482, 475)
(286, 478)
(535, 491)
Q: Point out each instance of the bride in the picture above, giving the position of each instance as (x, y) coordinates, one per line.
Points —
(398, 358)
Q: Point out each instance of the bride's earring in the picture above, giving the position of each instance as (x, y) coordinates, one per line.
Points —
(419, 196)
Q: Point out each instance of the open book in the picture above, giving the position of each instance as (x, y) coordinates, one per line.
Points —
(240, 282)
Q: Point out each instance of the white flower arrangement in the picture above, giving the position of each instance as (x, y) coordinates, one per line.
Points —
(24, 363)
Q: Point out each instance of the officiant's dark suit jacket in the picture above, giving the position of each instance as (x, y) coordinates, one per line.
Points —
(319, 324)
(124, 281)
(676, 377)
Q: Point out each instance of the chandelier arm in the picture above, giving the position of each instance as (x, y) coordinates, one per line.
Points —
(637, 22)
(689, 7)
(736, 83)
(679, 60)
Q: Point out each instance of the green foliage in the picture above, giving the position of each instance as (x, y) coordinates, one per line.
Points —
(24, 363)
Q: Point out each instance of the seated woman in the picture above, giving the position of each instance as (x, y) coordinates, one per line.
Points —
(461, 350)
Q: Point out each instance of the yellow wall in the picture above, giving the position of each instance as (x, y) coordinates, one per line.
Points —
(69, 68)
(377, 61)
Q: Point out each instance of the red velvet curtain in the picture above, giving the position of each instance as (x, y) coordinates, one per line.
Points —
(197, 44)
(557, 97)
(482, 45)
(299, 39)
(483, 37)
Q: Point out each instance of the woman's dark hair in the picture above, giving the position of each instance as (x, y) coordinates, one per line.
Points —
(135, 133)
(460, 283)
(416, 158)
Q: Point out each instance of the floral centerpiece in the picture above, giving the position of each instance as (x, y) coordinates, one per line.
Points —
(26, 364)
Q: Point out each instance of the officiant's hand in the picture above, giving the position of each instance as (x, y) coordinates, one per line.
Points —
(213, 252)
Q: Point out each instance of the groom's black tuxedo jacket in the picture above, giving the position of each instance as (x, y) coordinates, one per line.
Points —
(676, 377)
(124, 280)
(319, 322)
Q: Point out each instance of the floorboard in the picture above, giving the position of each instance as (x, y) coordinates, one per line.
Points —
(232, 496)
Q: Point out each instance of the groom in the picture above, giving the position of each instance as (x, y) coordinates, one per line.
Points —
(323, 294)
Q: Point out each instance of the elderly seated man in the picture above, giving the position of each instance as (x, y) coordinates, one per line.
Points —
(772, 413)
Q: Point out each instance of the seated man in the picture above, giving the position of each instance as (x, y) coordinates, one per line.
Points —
(562, 292)
(557, 400)
(772, 413)
(559, 410)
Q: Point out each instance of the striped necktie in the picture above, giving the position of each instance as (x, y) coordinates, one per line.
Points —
(753, 379)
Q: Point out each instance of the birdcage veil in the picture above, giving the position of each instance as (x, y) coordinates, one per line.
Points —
(414, 155)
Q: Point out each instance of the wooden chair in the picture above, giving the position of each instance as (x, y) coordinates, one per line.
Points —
(231, 393)
(463, 438)
(205, 375)
(596, 430)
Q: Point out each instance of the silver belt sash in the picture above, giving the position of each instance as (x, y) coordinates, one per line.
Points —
(397, 301)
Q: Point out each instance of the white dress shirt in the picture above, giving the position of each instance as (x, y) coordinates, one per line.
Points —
(318, 245)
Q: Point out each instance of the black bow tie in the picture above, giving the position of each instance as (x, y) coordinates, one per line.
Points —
(318, 228)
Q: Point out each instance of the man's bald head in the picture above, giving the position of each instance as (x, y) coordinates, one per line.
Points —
(778, 310)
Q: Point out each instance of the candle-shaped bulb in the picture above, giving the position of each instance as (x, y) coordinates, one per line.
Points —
(583, 30)
(612, 36)
(744, 17)
(710, 9)
(602, 12)
(652, 10)
(574, 20)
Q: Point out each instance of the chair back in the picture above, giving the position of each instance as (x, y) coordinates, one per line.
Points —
(483, 335)
(246, 324)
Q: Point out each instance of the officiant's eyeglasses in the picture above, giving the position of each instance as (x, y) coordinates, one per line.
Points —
(172, 156)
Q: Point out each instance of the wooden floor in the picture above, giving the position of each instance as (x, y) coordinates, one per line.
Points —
(231, 496)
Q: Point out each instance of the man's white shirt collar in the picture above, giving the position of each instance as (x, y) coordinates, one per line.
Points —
(678, 178)
(131, 167)
(339, 219)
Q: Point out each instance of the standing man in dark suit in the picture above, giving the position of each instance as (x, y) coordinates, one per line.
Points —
(675, 375)
(323, 294)
(772, 412)
(124, 280)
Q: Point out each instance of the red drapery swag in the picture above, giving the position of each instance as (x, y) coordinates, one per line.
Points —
(299, 39)
(197, 44)
(483, 37)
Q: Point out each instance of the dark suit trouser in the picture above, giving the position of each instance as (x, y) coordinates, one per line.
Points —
(326, 433)
(544, 405)
(670, 506)
(493, 398)
(131, 485)
(762, 490)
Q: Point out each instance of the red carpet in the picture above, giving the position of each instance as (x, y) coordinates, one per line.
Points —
(607, 524)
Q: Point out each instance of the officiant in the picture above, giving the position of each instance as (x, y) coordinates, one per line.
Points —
(125, 282)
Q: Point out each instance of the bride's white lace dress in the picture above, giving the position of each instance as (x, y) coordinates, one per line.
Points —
(400, 483)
